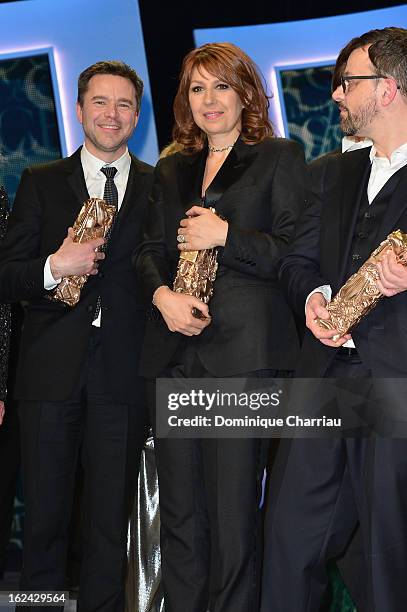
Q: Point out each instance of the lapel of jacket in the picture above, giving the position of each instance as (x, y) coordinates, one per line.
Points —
(130, 199)
(193, 169)
(235, 165)
(397, 204)
(190, 177)
(76, 178)
(355, 169)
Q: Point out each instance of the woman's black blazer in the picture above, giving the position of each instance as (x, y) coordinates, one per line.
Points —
(260, 190)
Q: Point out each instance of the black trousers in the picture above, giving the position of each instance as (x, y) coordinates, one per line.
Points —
(110, 436)
(321, 490)
(211, 523)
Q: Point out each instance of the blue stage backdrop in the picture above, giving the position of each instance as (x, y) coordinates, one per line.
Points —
(28, 118)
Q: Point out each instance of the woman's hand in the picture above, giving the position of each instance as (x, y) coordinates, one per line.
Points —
(202, 230)
(2, 411)
(176, 309)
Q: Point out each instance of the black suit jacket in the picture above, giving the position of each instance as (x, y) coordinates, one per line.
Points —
(260, 190)
(55, 337)
(319, 255)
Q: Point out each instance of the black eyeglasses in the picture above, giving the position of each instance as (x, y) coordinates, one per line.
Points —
(345, 80)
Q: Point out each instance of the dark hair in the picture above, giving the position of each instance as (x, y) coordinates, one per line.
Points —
(231, 65)
(368, 38)
(387, 52)
(115, 68)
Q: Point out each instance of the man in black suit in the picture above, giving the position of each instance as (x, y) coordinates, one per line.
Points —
(77, 374)
(327, 485)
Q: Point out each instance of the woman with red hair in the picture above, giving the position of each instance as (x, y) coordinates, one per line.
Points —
(210, 489)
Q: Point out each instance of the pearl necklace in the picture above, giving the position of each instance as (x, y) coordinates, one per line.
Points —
(215, 150)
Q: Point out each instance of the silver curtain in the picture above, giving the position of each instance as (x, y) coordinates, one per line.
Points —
(143, 588)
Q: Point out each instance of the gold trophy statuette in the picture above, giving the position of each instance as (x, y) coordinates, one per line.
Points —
(94, 221)
(196, 273)
(360, 293)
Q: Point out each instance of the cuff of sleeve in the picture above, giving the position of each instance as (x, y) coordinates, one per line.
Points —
(49, 281)
(324, 289)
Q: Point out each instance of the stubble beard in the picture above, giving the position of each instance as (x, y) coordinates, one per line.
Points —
(353, 124)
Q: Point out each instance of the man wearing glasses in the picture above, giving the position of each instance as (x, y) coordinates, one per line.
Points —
(331, 485)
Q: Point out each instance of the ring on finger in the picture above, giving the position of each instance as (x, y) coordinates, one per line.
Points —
(181, 238)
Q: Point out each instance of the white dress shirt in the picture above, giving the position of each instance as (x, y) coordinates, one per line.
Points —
(348, 144)
(382, 169)
(95, 183)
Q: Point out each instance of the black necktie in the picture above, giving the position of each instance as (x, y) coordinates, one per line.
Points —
(110, 196)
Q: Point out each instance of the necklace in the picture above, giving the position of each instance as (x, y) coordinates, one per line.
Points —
(215, 150)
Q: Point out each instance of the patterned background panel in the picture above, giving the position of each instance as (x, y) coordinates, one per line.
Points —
(29, 131)
(310, 116)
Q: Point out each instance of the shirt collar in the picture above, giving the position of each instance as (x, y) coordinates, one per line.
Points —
(350, 145)
(92, 165)
(398, 155)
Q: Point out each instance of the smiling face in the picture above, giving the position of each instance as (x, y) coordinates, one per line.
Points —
(216, 107)
(108, 115)
(359, 105)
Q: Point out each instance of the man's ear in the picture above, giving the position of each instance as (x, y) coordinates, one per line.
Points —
(389, 92)
(79, 112)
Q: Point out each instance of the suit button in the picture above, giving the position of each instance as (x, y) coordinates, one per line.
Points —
(355, 257)
(361, 235)
(369, 215)
(90, 308)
